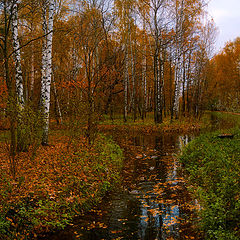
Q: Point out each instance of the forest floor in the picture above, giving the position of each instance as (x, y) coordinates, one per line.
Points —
(53, 184)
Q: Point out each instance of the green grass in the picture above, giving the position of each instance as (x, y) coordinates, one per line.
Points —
(213, 167)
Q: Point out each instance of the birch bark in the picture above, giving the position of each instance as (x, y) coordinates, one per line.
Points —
(32, 74)
(133, 66)
(47, 66)
(178, 56)
(17, 54)
(57, 105)
(126, 76)
(157, 71)
(144, 75)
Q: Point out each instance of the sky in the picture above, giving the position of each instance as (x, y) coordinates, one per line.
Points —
(226, 15)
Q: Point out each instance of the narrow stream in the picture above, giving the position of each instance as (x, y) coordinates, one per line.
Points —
(153, 202)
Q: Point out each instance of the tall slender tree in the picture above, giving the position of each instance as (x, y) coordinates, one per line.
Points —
(48, 10)
(17, 54)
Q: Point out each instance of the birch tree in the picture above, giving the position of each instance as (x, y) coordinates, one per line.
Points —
(144, 16)
(179, 11)
(48, 15)
(156, 25)
(17, 54)
(144, 75)
(124, 10)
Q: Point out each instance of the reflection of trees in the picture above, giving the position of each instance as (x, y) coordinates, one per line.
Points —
(183, 141)
(158, 220)
(160, 165)
(123, 216)
(149, 213)
(139, 140)
(132, 212)
(159, 144)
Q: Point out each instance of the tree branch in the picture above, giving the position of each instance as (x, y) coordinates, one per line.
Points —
(24, 45)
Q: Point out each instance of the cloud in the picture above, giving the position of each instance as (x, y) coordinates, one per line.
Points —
(226, 15)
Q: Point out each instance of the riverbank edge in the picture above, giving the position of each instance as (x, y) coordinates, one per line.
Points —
(35, 213)
(212, 166)
(177, 126)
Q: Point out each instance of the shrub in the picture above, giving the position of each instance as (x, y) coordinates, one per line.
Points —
(29, 128)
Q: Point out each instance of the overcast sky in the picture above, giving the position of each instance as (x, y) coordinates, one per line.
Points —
(226, 15)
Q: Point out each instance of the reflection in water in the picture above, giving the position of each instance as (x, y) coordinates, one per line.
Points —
(184, 140)
(156, 204)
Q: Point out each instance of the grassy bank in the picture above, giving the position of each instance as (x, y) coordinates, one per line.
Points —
(213, 167)
(55, 184)
(183, 124)
(228, 119)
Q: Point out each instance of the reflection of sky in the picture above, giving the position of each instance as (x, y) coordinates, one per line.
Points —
(226, 14)
(161, 217)
(164, 222)
(164, 217)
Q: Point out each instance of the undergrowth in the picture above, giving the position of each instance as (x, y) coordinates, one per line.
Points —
(213, 167)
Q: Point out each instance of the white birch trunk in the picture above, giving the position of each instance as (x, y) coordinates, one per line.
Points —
(144, 74)
(132, 104)
(145, 81)
(47, 67)
(17, 55)
(32, 74)
(126, 83)
(157, 73)
(177, 89)
(158, 83)
(58, 109)
(178, 64)
(177, 82)
(44, 63)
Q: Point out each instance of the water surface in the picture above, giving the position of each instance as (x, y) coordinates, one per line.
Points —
(151, 203)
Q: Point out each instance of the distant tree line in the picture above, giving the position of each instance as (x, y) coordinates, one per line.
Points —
(83, 59)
